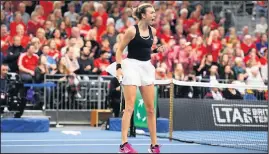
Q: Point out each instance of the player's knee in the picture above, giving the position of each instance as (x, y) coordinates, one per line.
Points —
(150, 111)
(129, 110)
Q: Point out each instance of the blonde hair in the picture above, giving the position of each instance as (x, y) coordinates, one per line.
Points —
(57, 5)
(141, 9)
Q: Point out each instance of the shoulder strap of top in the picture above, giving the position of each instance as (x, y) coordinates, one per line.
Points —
(137, 29)
(150, 32)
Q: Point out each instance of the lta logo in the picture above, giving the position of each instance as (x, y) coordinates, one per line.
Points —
(240, 115)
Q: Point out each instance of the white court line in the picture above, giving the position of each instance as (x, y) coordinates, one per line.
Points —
(77, 140)
(53, 145)
(227, 140)
(243, 144)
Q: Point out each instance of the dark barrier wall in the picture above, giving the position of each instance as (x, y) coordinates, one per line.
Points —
(198, 114)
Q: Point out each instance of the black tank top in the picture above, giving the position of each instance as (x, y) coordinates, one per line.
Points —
(140, 48)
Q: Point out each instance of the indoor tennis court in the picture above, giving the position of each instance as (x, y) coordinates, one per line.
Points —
(86, 140)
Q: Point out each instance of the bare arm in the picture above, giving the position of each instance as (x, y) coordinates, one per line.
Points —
(153, 31)
(127, 37)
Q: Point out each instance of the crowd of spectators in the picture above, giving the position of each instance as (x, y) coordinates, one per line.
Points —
(81, 37)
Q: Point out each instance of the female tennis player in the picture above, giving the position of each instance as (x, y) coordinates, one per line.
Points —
(137, 71)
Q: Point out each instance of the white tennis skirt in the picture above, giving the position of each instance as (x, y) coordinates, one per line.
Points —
(138, 73)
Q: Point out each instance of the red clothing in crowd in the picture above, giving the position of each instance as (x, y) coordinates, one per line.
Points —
(201, 51)
(104, 17)
(13, 26)
(215, 49)
(60, 44)
(48, 7)
(52, 53)
(24, 41)
(166, 37)
(101, 63)
(261, 3)
(100, 31)
(247, 58)
(68, 31)
(5, 39)
(214, 25)
(28, 62)
(32, 27)
(263, 60)
(246, 48)
(84, 29)
(43, 41)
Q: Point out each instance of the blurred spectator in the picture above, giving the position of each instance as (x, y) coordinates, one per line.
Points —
(13, 54)
(2, 58)
(54, 52)
(59, 40)
(240, 82)
(49, 28)
(205, 65)
(231, 93)
(3, 75)
(110, 36)
(75, 33)
(254, 77)
(238, 68)
(7, 13)
(72, 43)
(86, 63)
(35, 41)
(33, 24)
(161, 71)
(65, 31)
(25, 39)
(101, 12)
(124, 22)
(92, 36)
(102, 62)
(213, 75)
(5, 37)
(69, 64)
(27, 63)
(41, 35)
(71, 14)
(247, 44)
(85, 11)
(48, 7)
(25, 16)
(58, 17)
(261, 8)
(50, 62)
(17, 21)
(41, 70)
(84, 26)
(215, 94)
(115, 13)
(262, 25)
(228, 75)
(214, 45)
(262, 45)
(179, 73)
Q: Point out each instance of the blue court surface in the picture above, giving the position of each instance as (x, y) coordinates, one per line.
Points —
(62, 140)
